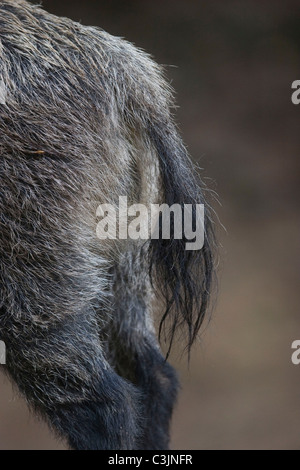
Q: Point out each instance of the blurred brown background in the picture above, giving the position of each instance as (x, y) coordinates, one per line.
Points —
(235, 62)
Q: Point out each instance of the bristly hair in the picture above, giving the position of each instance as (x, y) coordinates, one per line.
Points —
(183, 278)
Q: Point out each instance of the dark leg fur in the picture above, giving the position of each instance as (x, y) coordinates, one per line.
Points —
(135, 352)
(66, 377)
(158, 381)
(106, 421)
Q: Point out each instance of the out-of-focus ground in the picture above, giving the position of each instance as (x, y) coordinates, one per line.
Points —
(235, 62)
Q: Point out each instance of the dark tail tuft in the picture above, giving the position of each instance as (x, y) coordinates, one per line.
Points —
(183, 278)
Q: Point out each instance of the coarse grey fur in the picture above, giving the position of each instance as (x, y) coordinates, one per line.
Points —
(86, 119)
